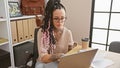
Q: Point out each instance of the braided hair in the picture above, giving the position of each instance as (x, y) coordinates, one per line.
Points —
(48, 26)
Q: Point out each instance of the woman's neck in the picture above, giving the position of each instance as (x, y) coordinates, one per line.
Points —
(58, 30)
(57, 33)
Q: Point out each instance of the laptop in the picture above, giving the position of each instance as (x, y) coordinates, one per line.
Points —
(83, 59)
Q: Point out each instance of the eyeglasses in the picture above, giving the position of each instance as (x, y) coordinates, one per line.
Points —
(59, 19)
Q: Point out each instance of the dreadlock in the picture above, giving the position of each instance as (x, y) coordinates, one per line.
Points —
(48, 26)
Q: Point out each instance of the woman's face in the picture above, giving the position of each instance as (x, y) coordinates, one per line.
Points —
(59, 18)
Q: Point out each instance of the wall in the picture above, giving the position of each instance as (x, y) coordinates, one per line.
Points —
(78, 17)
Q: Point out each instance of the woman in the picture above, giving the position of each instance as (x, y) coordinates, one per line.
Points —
(54, 40)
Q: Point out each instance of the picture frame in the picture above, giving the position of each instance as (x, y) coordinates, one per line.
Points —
(14, 9)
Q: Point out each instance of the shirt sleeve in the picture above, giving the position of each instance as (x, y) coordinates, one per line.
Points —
(41, 50)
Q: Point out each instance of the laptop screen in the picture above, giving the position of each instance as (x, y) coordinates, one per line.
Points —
(82, 59)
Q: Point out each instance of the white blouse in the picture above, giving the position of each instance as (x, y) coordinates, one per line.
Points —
(61, 46)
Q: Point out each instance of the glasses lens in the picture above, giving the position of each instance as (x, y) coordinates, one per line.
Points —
(59, 19)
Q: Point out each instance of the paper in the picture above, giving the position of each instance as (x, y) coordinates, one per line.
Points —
(100, 61)
(99, 56)
(103, 63)
(74, 50)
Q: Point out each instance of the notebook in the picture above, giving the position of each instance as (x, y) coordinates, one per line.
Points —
(83, 59)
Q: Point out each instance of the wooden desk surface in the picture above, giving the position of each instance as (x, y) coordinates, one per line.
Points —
(115, 57)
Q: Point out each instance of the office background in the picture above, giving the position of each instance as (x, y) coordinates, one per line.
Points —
(97, 19)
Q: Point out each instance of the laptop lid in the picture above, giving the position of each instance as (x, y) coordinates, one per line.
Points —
(82, 59)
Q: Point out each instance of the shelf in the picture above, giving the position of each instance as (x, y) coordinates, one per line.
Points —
(3, 43)
(1, 20)
(24, 17)
(22, 42)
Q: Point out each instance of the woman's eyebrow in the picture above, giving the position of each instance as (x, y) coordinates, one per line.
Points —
(60, 16)
(55, 16)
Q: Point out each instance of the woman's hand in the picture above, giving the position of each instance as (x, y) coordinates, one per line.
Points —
(60, 55)
(51, 57)
(56, 56)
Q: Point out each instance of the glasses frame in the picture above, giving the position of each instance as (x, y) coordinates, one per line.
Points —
(62, 19)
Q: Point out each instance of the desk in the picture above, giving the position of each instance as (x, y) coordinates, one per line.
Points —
(115, 57)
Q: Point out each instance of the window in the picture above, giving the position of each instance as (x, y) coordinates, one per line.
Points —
(105, 23)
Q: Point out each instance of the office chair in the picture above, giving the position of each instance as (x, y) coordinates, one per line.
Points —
(115, 46)
(35, 48)
(32, 57)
